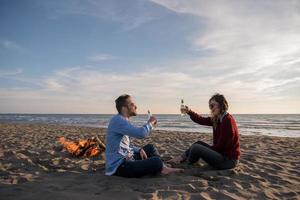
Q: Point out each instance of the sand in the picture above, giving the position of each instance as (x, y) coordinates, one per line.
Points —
(34, 166)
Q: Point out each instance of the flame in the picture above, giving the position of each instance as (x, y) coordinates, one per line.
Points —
(92, 152)
(71, 147)
(90, 147)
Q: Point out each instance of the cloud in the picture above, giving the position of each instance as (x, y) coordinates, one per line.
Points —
(7, 73)
(92, 81)
(251, 46)
(100, 57)
(54, 85)
(267, 30)
(130, 14)
(248, 50)
(7, 44)
(86, 89)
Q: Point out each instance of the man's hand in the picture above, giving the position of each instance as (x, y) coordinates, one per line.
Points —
(143, 154)
(152, 120)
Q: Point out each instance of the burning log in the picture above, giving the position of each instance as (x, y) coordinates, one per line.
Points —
(90, 147)
(100, 142)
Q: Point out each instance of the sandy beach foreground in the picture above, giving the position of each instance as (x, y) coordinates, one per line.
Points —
(33, 166)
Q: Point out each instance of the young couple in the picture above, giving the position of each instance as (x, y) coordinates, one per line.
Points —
(123, 159)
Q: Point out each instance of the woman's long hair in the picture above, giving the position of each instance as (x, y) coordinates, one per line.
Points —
(221, 100)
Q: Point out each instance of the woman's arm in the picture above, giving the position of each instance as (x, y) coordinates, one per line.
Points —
(199, 119)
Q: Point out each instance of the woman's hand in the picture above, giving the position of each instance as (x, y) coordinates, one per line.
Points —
(185, 109)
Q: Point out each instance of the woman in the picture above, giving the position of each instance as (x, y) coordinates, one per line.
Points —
(225, 151)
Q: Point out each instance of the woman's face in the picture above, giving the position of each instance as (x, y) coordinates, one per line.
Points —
(214, 108)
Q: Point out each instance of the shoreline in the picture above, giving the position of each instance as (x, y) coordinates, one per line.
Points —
(166, 131)
(33, 165)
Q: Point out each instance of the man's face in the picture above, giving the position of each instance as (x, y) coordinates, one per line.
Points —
(131, 107)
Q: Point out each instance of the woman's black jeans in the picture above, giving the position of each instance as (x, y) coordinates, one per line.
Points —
(205, 152)
(138, 167)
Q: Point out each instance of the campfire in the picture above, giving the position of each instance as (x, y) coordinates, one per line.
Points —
(89, 148)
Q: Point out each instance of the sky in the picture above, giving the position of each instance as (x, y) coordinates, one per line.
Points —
(78, 56)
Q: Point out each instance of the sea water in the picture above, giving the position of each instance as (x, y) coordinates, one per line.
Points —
(249, 124)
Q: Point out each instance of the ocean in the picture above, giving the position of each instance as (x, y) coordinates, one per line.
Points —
(287, 125)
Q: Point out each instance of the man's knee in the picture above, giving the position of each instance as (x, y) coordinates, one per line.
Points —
(149, 148)
(156, 163)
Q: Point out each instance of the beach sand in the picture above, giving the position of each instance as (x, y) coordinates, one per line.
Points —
(34, 166)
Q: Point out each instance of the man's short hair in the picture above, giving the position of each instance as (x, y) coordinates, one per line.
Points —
(121, 101)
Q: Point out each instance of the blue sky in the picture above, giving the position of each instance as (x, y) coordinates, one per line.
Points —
(72, 56)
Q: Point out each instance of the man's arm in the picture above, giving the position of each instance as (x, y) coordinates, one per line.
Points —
(126, 128)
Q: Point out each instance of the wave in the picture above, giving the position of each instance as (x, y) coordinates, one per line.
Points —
(275, 125)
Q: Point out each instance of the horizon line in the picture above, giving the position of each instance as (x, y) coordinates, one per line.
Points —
(13, 113)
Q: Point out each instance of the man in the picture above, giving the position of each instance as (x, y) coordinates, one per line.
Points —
(123, 159)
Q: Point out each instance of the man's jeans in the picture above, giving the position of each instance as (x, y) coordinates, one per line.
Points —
(138, 167)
